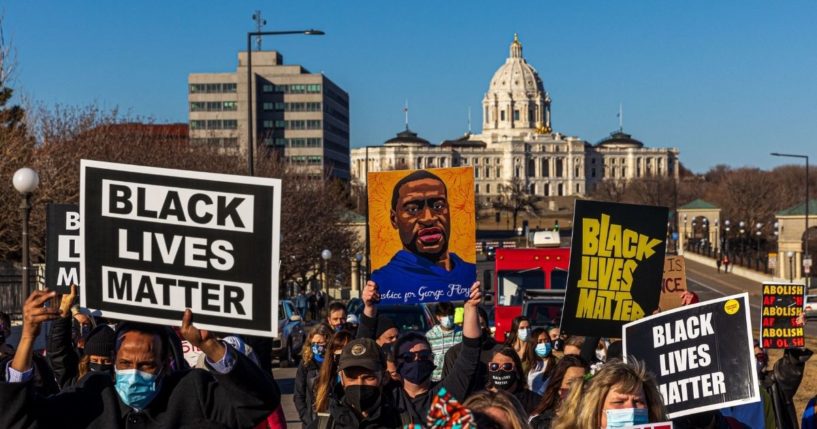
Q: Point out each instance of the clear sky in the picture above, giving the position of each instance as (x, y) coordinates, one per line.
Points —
(725, 82)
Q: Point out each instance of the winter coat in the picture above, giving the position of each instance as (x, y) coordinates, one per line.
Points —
(304, 395)
(189, 398)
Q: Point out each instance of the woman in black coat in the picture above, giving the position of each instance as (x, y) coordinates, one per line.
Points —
(312, 355)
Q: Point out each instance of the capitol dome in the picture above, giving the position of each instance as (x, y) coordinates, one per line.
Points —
(516, 98)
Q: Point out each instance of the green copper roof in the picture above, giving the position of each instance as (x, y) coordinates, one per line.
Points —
(698, 204)
(800, 210)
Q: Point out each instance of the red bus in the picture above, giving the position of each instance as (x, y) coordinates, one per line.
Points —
(521, 273)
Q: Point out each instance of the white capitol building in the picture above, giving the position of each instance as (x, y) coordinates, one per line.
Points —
(517, 141)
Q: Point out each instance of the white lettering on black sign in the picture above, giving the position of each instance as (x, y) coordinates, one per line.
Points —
(177, 206)
(160, 241)
(692, 349)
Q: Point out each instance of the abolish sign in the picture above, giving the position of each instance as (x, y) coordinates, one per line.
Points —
(157, 241)
(701, 354)
(782, 306)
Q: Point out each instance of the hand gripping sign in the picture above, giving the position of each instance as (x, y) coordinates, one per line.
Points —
(422, 229)
(702, 355)
(156, 241)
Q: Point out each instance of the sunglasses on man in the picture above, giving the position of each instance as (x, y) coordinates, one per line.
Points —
(412, 356)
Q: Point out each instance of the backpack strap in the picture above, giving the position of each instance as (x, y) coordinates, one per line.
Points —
(325, 421)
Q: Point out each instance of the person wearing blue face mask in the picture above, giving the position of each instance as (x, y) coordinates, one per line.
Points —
(144, 391)
(443, 336)
(312, 357)
(540, 354)
(619, 395)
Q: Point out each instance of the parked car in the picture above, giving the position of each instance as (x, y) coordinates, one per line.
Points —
(811, 306)
(407, 318)
(291, 334)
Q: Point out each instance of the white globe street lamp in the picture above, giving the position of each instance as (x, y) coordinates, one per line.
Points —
(25, 181)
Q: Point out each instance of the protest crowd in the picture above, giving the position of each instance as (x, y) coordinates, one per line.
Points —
(96, 373)
(690, 367)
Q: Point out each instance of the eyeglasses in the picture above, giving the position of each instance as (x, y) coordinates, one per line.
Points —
(494, 367)
(412, 356)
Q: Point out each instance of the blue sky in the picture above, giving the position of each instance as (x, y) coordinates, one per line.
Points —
(725, 82)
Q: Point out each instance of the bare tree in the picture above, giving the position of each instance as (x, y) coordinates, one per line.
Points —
(514, 198)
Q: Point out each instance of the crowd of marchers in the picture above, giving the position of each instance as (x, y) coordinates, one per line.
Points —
(354, 373)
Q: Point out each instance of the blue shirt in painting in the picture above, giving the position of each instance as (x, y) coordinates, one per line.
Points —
(409, 278)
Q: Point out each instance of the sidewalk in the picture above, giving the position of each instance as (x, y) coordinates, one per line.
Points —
(733, 269)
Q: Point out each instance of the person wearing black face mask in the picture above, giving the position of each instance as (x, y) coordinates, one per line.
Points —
(488, 348)
(98, 352)
(362, 369)
(412, 355)
(505, 373)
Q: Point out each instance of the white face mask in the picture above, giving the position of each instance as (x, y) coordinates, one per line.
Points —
(601, 355)
(447, 322)
(522, 334)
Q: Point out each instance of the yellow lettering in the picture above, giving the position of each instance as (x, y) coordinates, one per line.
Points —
(605, 226)
(587, 301)
(590, 236)
(588, 265)
(630, 240)
(614, 240)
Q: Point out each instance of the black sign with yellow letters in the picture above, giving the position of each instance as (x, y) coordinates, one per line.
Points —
(616, 267)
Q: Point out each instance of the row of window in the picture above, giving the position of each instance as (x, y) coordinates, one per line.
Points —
(292, 107)
(532, 189)
(305, 160)
(213, 106)
(222, 142)
(214, 124)
(296, 88)
(298, 142)
(212, 88)
(295, 124)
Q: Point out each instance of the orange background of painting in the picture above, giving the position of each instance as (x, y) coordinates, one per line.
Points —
(385, 241)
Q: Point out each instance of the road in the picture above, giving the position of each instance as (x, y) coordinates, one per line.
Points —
(708, 283)
(286, 382)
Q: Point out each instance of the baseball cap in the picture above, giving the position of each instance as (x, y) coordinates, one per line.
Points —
(362, 352)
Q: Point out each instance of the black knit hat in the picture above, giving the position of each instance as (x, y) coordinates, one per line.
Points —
(383, 325)
(101, 341)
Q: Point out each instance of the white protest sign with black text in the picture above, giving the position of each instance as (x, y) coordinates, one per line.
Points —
(157, 241)
(702, 355)
(62, 247)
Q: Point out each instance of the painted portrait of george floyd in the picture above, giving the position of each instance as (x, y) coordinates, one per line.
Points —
(422, 229)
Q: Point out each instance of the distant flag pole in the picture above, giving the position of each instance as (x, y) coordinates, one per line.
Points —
(405, 111)
(620, 117)
(469, 119)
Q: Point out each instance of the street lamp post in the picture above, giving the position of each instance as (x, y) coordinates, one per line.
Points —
(359, 270)
(758, 226)
(250, 127)
(805, 249)
(326, 254)
(790, 254)
(25, 181)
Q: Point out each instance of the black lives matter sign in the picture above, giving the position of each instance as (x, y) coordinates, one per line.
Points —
(782, 306)
(157, 241)
(702, 355)
(62, 247)
(616, 266)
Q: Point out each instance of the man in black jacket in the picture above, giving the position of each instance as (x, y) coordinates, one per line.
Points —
(144, 393)
(362, 369)
(412, 355)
